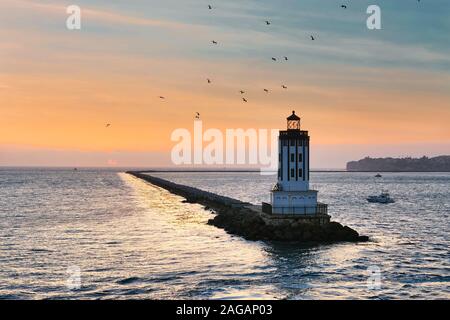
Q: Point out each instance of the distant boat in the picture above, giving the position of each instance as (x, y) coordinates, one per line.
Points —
(75, 169)
(384, 197)
(378, 175)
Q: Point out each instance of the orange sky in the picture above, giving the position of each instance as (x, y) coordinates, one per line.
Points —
(60, 112)
(59, 88)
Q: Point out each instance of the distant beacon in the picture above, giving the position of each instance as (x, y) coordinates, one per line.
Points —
(291, 195)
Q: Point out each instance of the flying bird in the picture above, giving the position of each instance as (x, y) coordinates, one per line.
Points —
(286, 58)
(344, 6)
(209, 80)
(268, 23)
(274, 59)
(284, 87)
(312, 38)
(161, 97)
(214, 42)
(210, 7)
(266, 90)
(243, 99)
(242, 92)
(197, 116)
(108, 125)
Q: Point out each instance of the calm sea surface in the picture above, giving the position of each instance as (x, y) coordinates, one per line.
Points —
(130, 239)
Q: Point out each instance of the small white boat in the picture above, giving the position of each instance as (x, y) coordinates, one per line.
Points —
(384, 197)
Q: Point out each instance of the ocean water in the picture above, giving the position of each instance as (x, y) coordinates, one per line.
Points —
(120, 237)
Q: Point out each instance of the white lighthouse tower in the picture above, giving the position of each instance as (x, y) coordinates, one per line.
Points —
(291, 195)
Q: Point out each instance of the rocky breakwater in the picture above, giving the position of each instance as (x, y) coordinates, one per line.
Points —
(244, 219)
(258, 226)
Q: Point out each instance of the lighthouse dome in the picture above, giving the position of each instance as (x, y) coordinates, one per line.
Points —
(293, 116)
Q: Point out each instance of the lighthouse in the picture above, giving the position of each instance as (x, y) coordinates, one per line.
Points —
(291, 195)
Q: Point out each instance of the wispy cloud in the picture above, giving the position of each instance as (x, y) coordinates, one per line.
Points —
(97, 14)
(4, 86)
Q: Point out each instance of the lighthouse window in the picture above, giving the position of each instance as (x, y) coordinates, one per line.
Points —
(300, 157)
(279, 156)
(292, 173)
(300, 173)
(292, 157)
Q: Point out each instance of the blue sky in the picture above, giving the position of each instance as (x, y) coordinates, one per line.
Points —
(414, 29)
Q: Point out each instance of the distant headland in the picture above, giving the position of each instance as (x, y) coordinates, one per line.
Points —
(424, 164)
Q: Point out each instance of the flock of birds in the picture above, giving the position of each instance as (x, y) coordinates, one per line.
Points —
(242, 92)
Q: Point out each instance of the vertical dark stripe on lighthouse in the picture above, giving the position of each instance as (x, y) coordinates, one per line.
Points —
(280, 146)
(303, 162)
(296, 159)
(288, 160)
(308, 157)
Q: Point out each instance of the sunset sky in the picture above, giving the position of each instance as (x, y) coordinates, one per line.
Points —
(359, 92)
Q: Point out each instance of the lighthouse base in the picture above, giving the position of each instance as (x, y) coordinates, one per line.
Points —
(295, 219)
(295, 203)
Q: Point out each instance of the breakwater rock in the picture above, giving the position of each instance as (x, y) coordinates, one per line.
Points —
(246, 220)
(253, 226)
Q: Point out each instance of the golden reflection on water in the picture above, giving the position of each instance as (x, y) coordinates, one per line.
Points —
(240, 268)
(186, 240)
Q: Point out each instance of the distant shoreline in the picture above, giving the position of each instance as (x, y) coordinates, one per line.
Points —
(424, 164)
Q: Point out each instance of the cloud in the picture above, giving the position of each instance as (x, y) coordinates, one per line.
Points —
(241, 38)
(100, 15)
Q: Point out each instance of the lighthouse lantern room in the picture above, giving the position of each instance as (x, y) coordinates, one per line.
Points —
(291, 194)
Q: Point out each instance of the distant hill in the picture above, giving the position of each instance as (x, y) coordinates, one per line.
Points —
(441, 163)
